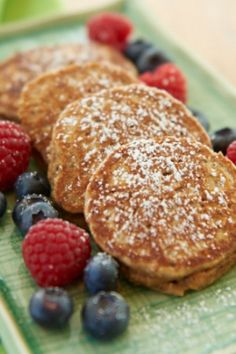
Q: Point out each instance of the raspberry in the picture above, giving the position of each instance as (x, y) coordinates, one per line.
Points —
(15, 152)
(168, 77)
(56, 252)
(149, 78)
(231, 152)
(110, 28)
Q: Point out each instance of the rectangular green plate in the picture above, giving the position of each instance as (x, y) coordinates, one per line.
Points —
(29, 9)
(200, 322)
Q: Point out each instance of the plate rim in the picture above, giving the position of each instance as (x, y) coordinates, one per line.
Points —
(21, 27)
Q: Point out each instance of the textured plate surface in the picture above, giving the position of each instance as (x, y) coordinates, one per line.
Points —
(201, 322)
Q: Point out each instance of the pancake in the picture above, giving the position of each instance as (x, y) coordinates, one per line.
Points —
(166, 209)
(21, 68)
(89, 129)
(44, 98)
(195, 281)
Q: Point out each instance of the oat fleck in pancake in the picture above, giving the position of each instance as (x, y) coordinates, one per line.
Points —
(166, 209)
(89, 129)
(19, 69)
(44, 98)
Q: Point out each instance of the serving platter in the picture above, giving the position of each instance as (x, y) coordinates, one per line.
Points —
(200, 322)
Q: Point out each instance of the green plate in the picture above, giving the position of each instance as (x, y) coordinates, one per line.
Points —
(200, 322)
(29, 9)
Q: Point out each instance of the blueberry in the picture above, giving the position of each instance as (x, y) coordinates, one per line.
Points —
(135, 49)
(51, 307)
(101, 273)
(31, 209)
(105, 315)
(22, 204)
(3, 204)
(32, 183)
(222, 138)
(201, 118)
(151, 59)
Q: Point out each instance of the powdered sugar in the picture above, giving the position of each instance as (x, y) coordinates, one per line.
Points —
(170, 203)
(24, 67)
(211, 312)
(114, 117)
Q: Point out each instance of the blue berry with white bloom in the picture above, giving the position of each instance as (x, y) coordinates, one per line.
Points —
(101, 273)
(31, 209)
(105, 315)
(51, 307)
(32, 183)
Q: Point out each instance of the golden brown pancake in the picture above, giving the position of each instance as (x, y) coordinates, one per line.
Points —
(21, 68)
(195, 281)
(89, 129)
(166, 209)
(43, 99)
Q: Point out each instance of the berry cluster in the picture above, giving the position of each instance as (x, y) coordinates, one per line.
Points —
(55, 251)
(155, 68)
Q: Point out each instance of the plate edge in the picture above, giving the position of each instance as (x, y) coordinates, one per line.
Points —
(9, 330)
(21, 27)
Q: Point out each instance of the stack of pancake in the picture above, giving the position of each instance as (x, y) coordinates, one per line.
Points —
(166, 209)
(131, 158)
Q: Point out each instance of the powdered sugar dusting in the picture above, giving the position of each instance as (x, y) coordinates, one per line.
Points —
(63, 87)
(171, 203)
(114, 117)
(198, 321)
(23, 67)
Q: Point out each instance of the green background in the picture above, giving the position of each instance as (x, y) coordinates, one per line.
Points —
(12, 10)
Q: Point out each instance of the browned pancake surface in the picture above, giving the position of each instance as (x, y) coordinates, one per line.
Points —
(21, 68)
(166, 209)
(195, 281)
(89, 129)
(44, 98)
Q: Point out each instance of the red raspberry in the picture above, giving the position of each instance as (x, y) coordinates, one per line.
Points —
(231, 152)
(168, 77)
(149, 78)
(15, 152)
(56, 252)
(110, 28)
